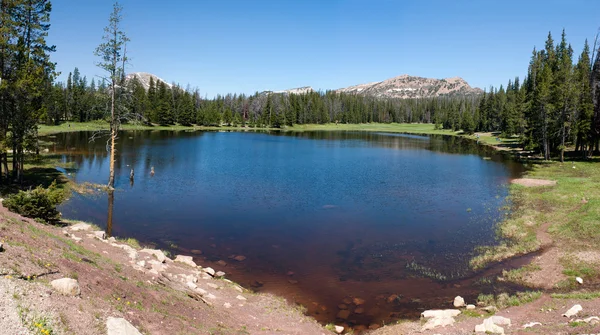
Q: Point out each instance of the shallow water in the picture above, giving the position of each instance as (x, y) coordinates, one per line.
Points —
(319, 216)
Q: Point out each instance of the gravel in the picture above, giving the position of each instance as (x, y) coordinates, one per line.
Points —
(10, 323)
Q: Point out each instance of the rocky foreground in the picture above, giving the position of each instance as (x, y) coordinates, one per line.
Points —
(76, 280)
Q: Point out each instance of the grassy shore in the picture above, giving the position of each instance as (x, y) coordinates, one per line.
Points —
(565, 216)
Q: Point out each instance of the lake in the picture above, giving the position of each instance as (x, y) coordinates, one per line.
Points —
(321, 217)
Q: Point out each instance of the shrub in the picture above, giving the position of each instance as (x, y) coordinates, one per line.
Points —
(39, 203)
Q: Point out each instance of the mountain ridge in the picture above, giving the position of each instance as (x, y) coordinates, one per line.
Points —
(406, 87)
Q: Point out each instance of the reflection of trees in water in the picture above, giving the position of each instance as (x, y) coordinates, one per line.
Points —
(132, 148)
(109, 221)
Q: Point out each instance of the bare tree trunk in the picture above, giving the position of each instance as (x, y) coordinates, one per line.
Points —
(113, 138)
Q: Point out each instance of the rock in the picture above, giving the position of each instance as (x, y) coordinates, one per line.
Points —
(470, 307)
(157, 253)
(210, 271)
(489, 327)
(191, 285)
(459, 302)
(579, 280)
(374, 326)
(215, 286)
(592, 320)
(500, 320)
(343, 306)
(1, 247)
(347, 301)
(196, 252)
(222, 263)
(392, 298)
(99, 234)
(80, 226)
(438, 313)
(343, 314)
(112, 239)
(531, 325)
(227, 305)
(358, 301)
(359, 310)
(211, 296)
(292, 281)
(438, 322)
(573, 311)
(120, 326)
(75, 238)
(490, 309)
(189, 260)
(66, 286)
(239, 258)
(339, 329)
(240, 297)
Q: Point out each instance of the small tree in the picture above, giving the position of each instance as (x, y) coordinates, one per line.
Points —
(113, 52)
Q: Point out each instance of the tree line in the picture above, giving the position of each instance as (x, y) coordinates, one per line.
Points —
(554, 107)
(26, 75)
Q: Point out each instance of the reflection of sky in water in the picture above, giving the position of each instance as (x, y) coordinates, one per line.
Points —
(294, 189)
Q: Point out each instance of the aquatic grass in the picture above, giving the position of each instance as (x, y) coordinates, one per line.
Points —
(504, 300)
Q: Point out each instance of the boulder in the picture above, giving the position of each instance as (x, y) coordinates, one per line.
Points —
(436, 322)
(531, 325)
(358, 301)
(99, 234)
(66, 286)
(470, 307)
(120, 326)
(490, 309)
(220, 274)
(343, 314)
(592, 320)
(157, 253)
(210, 271)
(359, 310)
(573, 311)
(492, 325)
(189, 260)
(80, 226)
(339, 329)
(459, 302)
(439, 313)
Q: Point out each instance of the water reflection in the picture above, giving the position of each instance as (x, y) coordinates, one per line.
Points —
(349, 213)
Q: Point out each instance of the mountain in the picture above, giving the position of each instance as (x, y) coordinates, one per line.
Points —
(405, 87)
(299, 90)
(144, 78)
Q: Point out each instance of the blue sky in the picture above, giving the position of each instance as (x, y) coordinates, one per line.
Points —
(254, 45)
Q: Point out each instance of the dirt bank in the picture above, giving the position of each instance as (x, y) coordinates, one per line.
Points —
(170, 297)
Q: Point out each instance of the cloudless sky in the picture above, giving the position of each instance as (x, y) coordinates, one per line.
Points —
(244, 46)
